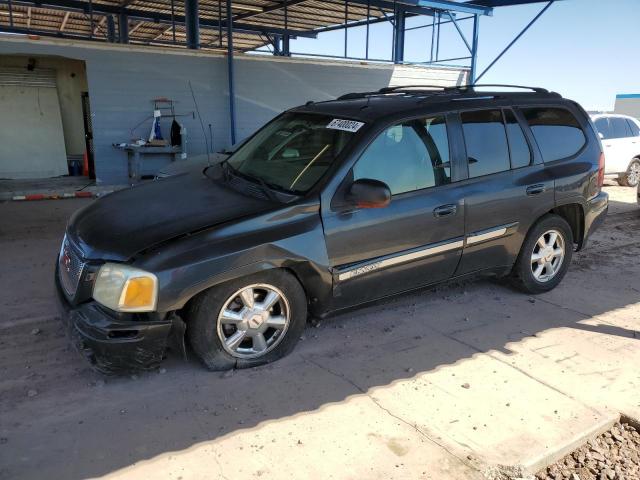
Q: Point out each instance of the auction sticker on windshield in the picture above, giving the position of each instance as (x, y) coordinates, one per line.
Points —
(346, 125)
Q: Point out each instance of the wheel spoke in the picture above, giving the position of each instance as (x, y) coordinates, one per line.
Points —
(536, 257)
(542, 242)
(277, 322)
(247, 297)
(558, 252)
(259, 342)
(538, 271)
(553, 236)
(234, 341)
(548, 268)
(270, 300)
(230, 317)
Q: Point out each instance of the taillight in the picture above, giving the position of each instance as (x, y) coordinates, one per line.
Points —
(601, 170)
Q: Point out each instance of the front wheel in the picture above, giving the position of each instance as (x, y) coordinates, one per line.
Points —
(631, 178)
(545, 255)
(247, 322)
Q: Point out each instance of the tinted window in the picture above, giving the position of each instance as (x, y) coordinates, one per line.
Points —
(620, 127)
(603, 127)
(635, 130)
(556, 131)
(486, 142)
(408, 156)
(518, 146)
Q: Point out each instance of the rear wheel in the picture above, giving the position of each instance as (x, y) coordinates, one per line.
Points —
(631, 178)
(545, 255)
(247, 322)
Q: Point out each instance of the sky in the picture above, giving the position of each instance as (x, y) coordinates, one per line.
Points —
(587, 50)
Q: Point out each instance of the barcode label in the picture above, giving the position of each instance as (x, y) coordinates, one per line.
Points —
(346, 125)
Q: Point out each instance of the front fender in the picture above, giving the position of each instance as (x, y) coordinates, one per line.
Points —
(292, 239)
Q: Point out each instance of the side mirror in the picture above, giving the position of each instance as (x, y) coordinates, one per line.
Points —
(367, 193)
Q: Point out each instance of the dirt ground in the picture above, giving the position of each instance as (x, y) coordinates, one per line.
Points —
(441, 383)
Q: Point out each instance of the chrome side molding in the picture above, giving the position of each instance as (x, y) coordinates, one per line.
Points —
(397, 259)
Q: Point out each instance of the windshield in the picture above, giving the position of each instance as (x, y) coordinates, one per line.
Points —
(294, 151)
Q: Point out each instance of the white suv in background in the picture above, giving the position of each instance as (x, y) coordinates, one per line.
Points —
(620, 137)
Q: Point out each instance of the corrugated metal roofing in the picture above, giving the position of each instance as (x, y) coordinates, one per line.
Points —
(301, 15)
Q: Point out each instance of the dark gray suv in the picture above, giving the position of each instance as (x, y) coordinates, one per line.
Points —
(329, 206)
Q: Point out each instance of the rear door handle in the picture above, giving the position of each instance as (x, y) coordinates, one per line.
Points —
(444, 211)
(536, 189)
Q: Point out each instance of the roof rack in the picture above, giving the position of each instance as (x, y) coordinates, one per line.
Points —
(466, 88)
(438, 90)
(408, 87)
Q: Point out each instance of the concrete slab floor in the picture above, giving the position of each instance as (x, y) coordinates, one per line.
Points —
(465, 381)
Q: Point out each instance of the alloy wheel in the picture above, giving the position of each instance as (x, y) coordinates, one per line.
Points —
(633, 175)
(547, 256)
(253, 321)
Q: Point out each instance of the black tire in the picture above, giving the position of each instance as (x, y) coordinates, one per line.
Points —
(630, 178)
(203, 311)
(522, 275)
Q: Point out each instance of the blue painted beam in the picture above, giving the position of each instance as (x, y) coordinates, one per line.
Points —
(451, 6)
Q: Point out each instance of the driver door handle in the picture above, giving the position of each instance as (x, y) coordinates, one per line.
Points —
(536, 189)
(445, 211)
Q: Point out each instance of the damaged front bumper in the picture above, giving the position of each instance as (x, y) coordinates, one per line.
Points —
(112, 342)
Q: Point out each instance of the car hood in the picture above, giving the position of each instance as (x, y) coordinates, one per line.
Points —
(121, 224)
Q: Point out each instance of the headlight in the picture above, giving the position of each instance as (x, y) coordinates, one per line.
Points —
(126, 289)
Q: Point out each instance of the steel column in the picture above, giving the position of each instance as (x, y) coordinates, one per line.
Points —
(192, 23)
(535, 19)
(10, 14)
(230, 73)
(111, 29)
(398, 52)
(474, 50)
(286, 48)
(123, 26)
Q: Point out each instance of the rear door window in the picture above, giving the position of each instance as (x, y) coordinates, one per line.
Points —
(635, 130)
(486, 142)
(557, 132)
(620, 127)
(518, 146)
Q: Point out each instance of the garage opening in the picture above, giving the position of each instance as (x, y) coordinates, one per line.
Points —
(44, 119)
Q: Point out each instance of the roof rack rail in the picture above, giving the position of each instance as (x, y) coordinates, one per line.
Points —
(407, 87)
(465, 88)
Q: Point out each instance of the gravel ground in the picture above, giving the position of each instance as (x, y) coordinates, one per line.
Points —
(614, 455)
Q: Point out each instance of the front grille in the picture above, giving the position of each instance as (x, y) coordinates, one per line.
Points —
(70, 266)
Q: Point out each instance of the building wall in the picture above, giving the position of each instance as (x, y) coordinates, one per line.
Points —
(628, 104)
(123, 80)
(71, 81)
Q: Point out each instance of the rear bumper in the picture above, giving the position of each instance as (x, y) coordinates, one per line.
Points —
(110, 342)
(595, 213)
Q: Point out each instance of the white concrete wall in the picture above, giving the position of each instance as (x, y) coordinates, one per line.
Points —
(123, 79)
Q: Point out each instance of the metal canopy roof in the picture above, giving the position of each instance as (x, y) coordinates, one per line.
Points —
(255, 22)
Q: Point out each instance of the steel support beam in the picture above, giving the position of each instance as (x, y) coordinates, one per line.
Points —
(451, 6)
(192, 23)
(398, 43)
(154, 17)
(123, 26)
(474, 50)
(111, 29)
(231, 74)
(524, 30)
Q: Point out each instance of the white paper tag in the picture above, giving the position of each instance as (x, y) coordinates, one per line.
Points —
(346, 125)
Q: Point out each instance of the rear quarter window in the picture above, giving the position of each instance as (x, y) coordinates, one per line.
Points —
(557, 132)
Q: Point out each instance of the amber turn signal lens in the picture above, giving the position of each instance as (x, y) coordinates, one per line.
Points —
(138, 292)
